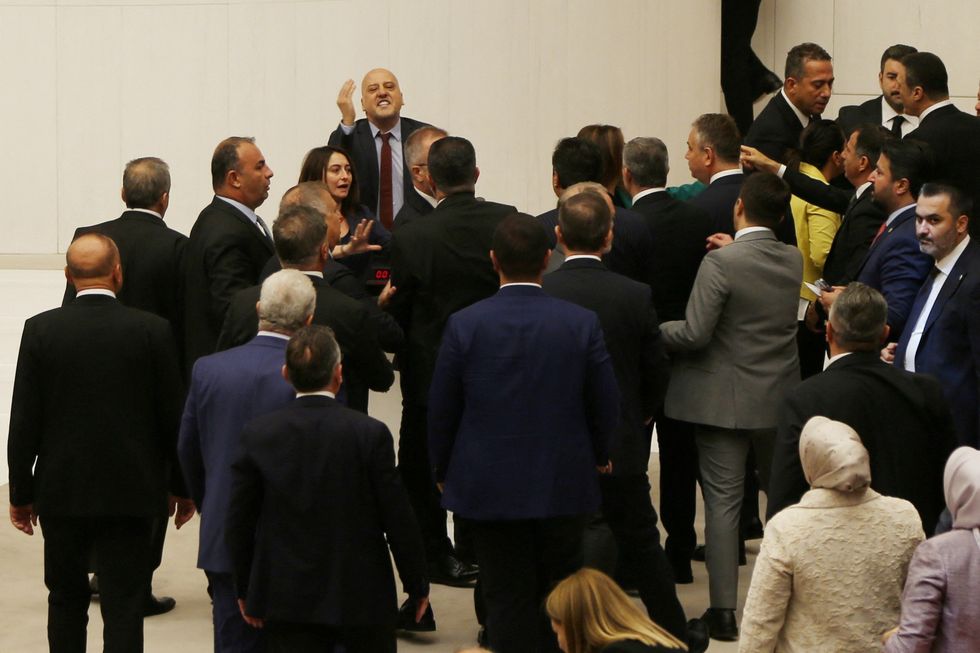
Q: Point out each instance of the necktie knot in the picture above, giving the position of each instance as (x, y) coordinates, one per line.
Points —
(897, 125)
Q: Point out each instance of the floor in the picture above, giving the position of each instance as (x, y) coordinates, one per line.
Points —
(188, 628)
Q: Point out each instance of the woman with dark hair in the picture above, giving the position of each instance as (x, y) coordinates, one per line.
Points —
(332, 165)
(610, 142)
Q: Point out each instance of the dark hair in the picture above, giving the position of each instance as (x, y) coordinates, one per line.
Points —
(575, 160)
(765, 198)
(859, 315)
(926, 70)
(225, 158)
(609, 139)
(797, 57)
(869, 141)
(314, 169)
(895, 52)
(519, 245)
(959, 202)
(298, 233)
(145, 180)
(909, 159)
(647, 161)
(818, 141)
(452, 165)
(719, 132)
(585, 220)
(311, 357)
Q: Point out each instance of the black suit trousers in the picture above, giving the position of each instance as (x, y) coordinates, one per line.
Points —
(678, 487)
(124, 550)
(520, 562)
(416, 473)
(285, 637)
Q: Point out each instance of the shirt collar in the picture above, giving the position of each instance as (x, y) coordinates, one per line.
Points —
(860, 189)
(887, 113)
(802, 117)
(575, 256)
(96, 291)
(946, 263)
(836, 358)
(648, 191)
(521, 283)
(428, 198)
(318, 393)
(937, 105)
(273, 334)
(395, 131)
(724, 173)
(154, 213)
(896, 213)
(750, 230)
(313, 273)
(249, 213)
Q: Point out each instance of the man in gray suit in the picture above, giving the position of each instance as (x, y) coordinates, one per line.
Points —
(734, 358)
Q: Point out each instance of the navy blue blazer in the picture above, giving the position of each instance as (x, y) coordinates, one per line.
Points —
(949, 348)
(227, 390)
(521, 408)
(896, 267)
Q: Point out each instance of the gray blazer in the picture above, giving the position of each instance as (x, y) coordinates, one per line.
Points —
(734, 355)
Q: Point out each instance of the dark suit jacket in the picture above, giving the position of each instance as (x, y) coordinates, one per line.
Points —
(225, 253)
(360, 144)
(439, 265)
(522, 407)
(902, 419)
(854, 115)
(365, 364)
(315, 495)
(227, 390)
(859, 225)
(718, 201)
(679, 231)
(896, 267)
(775, 130)
(629, 325)
(632, 246)
(415, 207)
(954, 137)
(96, 403)
(949, 348)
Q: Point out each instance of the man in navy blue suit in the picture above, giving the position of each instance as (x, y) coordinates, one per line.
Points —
(521, 407)
(942, 337)
(227, 390)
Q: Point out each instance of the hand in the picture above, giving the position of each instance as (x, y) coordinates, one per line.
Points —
(386, 294)
(254, 622)
(605, 469)
(345, 102)
(828, 297)
(23, 518)
(888, 353)
(420, 608)
(441, 487)
(360, 240)
(756, 160)
(185, 511)
(718, 240)
(811, 320)
(887, 635)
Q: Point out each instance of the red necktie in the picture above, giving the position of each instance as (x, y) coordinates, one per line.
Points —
(881, 230)
(385, 199)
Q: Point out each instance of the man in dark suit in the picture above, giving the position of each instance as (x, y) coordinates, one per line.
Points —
(712, 158)
(229, 243)
(227, 390)
(94, 414)
(942, 337)
(629, 326)
(438, 266)
(679, 231)
(577, 160)
(152, 256)
(383, 177)
(744, 79)
(313, 566)
(303, 241)
(953, 135)
(809, 80)
(522, 407)
(421, 199)
(903, 419)
(886, 109)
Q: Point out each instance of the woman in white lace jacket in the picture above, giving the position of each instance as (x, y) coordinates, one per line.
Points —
(830, 571)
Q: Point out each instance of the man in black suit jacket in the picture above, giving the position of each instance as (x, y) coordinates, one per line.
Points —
(421, 199)
(629, 325)
(886, 109)
(902, 418)
(229, 243)
(105, 455)
(953, 135)
(438, 266)
(314, 566)
(368, 141)
(303, 240)
(712, 158)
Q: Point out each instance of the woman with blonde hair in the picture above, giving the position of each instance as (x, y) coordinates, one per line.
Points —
(591, 614)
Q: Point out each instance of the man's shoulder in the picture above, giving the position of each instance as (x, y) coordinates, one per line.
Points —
(243, 357)
(330, 298)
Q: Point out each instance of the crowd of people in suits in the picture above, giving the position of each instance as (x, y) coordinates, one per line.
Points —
(803, 320)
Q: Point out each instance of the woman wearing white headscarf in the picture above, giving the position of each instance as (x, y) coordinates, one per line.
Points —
(830, 571)
(941, 602)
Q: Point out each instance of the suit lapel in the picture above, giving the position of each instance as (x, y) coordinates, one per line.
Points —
(953, 282)
(896, 223)
(254, 229)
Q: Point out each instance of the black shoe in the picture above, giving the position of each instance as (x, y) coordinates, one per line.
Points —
(766, 84)
(699, 554)
(155, 606)
(698, 636)
(93, 586)
(751, 530)
(682, 573)
(406, 619)
(481, 638)
(721, 624)
(450, 570)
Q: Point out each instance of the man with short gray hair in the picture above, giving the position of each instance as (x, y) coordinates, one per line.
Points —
(227, 390)
(903, 419)
(421, 199)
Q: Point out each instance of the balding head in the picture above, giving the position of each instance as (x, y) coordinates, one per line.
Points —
(381, 98)
(92, 261)
(315, 195)
(587, 187)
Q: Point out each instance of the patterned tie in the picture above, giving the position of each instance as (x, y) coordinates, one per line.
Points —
(385, 199)
(897, 126)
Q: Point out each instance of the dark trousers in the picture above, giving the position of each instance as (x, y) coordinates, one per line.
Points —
(232, 634)
(520, 562)
(678, 487)
(413, 465)
(741, 69)
(627, 507)
(285, 637)
(811, 347)
(123, 547)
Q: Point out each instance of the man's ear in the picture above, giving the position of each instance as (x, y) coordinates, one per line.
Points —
(476, 175)
(493, 260)
(285, 373)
